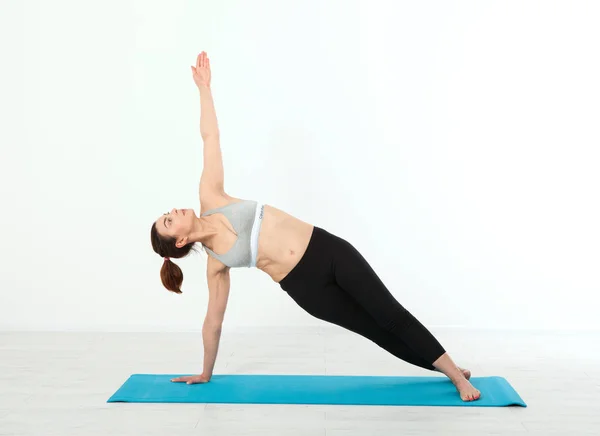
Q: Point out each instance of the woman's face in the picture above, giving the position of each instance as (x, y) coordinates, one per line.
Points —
(177, 223)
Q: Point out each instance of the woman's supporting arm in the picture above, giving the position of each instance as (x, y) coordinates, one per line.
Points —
(211, 337)
(219, 284)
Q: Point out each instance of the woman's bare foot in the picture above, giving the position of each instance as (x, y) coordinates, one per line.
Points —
(467, 391)
(459, 377)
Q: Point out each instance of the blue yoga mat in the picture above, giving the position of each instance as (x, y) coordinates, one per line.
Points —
(315, 389)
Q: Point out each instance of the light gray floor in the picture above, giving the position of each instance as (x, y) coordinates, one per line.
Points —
(58, 383)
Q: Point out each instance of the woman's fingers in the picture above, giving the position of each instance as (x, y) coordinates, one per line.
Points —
(202, 60)
(191, 379)
(180, 379)
(202, 63)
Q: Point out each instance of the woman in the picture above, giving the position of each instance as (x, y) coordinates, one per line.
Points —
(322, 272)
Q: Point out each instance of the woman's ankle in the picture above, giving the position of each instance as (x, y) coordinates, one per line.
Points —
(445, 365)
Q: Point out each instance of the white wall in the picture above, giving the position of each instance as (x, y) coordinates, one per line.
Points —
(454, 143)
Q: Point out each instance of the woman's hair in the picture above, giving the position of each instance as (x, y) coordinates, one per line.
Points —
(170, 274)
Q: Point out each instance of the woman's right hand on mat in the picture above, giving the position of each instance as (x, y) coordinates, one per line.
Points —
(192, 379)
(201, 72)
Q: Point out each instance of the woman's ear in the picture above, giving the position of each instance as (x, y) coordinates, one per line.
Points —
(182, 242)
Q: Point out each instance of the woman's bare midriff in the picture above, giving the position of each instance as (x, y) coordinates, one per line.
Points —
(282, 241)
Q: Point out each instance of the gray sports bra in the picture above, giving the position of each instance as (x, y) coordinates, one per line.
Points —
(246, 218)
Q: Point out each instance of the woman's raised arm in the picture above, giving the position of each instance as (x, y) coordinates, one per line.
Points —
(212, 173)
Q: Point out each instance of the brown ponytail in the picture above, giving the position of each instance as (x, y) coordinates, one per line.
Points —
(170, 274)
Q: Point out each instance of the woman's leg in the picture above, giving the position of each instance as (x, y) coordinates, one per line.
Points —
(354, 275)
(330, 303)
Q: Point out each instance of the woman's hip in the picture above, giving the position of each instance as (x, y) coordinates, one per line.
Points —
(316, 264)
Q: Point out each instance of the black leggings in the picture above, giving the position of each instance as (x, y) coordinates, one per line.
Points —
(333, 282)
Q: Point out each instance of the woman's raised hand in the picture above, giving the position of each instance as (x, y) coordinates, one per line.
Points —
(201, 72)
